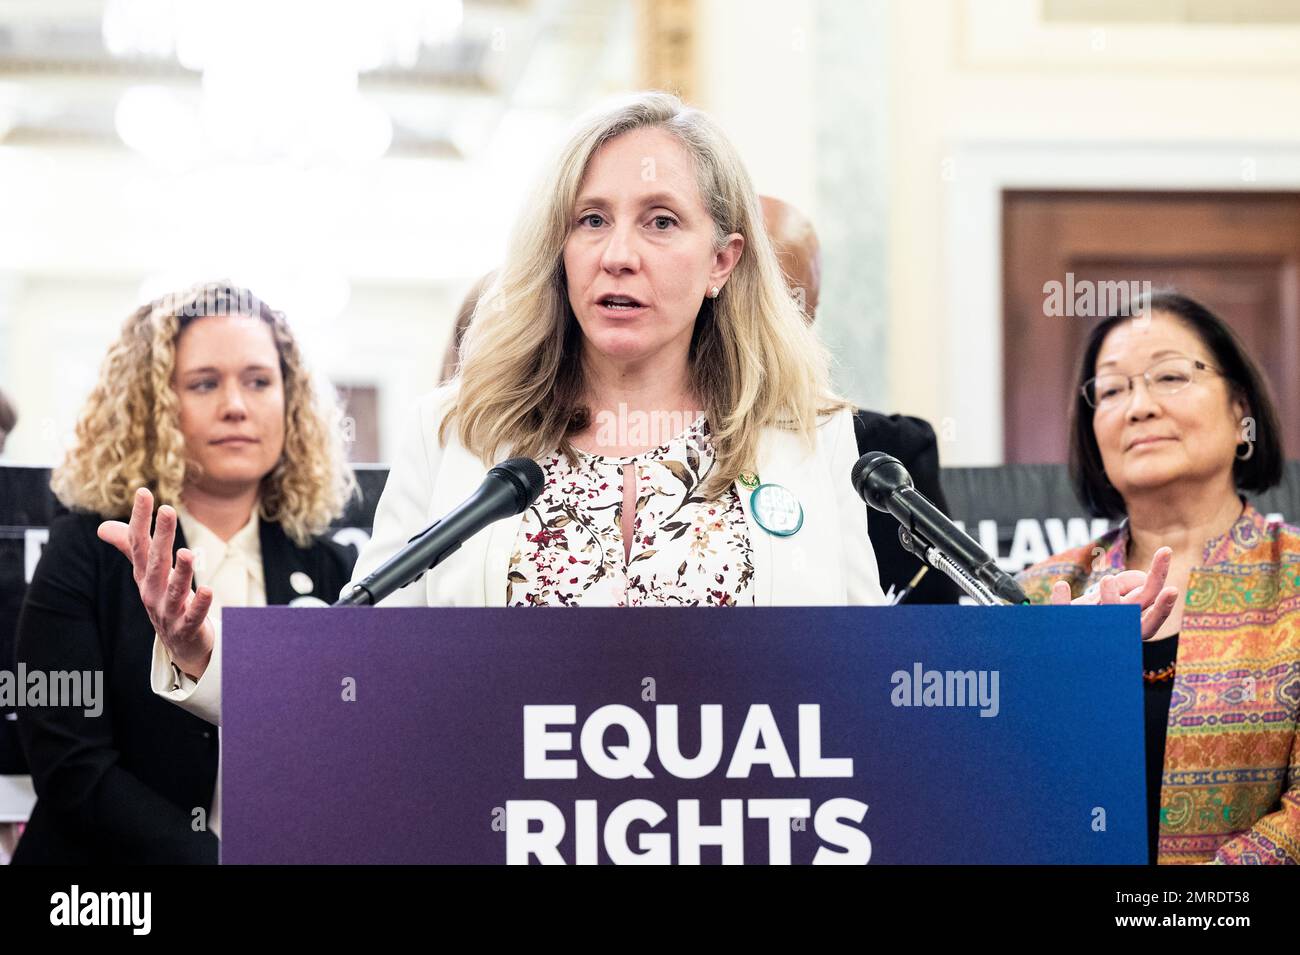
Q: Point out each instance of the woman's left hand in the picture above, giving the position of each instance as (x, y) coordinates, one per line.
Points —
(1146, 589)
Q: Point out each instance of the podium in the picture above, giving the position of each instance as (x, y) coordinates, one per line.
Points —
(886, 735)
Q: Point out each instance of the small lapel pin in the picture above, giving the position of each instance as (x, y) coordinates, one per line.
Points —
(776, 510)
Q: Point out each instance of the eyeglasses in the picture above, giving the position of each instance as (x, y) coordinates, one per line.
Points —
(1166, 377)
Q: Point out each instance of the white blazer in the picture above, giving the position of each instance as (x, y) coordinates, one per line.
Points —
(828, 562)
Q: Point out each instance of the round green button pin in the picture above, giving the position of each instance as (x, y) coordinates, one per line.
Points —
(776, 510)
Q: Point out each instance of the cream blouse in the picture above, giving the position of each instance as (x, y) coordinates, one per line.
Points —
(233, 571)
(686, 551)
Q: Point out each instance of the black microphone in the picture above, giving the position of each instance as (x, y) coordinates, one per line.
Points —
(883, 482)
(508, 489)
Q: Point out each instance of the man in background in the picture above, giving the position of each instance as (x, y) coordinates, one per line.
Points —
(911, 440)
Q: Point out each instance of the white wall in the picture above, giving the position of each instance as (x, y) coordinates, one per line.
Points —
(801, 89)
(755, 75)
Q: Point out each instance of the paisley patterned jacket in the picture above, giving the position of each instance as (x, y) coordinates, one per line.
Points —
(1230, 788)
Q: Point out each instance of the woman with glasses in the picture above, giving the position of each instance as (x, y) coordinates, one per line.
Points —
(1172, 421)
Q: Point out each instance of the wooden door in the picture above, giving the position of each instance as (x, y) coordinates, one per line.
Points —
(1237, 253)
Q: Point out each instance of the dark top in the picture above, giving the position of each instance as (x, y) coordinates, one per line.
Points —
(912, 441)
(1156, 655)
(122, 787)
(12, 584)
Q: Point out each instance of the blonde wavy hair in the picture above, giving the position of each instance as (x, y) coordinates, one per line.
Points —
(754, 360)
(128, 435)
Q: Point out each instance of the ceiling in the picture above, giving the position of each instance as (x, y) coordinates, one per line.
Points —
(59, 85)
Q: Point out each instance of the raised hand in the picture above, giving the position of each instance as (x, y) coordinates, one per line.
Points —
(179, 616)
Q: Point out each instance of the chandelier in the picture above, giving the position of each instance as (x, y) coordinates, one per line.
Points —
(279, 77)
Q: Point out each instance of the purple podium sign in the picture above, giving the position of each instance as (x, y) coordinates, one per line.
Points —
(682, 735)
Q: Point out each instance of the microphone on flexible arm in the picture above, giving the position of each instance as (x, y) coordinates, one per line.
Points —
(883, 482)
(508, 489)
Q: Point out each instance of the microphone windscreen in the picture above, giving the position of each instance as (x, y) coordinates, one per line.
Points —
(526, 476)
(876, 476)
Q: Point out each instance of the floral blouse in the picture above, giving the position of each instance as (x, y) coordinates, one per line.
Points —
(686, 550)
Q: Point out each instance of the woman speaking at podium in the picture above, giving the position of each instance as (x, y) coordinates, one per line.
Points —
(640, 344)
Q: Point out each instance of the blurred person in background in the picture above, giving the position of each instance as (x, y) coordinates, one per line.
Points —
(1171, 423)
(911, 440)
(451, 358)
(8, 419)
(205, 405)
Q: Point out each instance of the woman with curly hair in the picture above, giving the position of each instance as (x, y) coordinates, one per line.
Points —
(205, 405)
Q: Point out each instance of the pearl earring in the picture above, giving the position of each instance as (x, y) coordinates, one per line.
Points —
(714, 292)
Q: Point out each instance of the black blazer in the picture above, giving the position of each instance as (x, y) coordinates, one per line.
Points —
(122, 787)
(912, 441)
